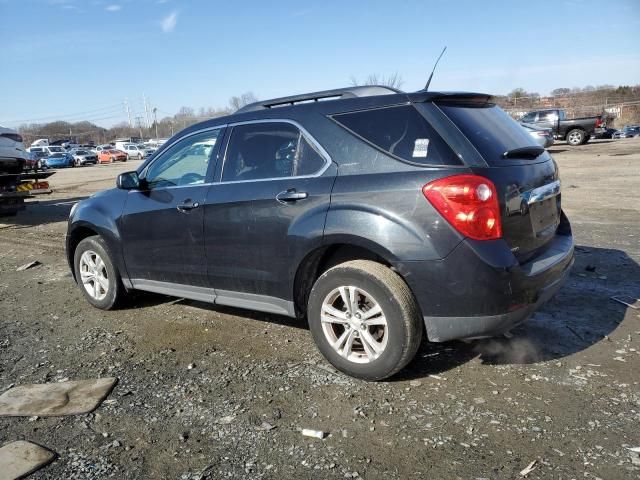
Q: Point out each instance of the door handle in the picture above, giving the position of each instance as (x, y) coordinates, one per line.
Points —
(187, 205)
(291, 195)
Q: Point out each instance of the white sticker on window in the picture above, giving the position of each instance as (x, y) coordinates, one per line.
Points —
(421, 148)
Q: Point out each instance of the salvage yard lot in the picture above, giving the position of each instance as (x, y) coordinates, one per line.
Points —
(213, 392)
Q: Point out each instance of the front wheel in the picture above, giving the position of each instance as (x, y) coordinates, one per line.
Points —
(97, 275)
(575, 137)
(364, 319)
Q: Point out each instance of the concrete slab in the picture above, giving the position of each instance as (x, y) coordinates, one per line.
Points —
(55, 399)
(19, 459)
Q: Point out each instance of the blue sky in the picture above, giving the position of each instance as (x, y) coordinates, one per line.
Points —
(79, 59)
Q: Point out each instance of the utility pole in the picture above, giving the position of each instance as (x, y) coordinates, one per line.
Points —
(155, 120)
(128, 110)
(139, 121)
(146, 110)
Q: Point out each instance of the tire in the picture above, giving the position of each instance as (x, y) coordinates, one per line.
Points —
(104, 298)
(575, 137)
(586, 140)
(396, 342)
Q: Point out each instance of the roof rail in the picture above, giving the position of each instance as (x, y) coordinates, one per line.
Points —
(335, 94)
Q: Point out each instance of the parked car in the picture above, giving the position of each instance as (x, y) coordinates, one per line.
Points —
(47, 150)
(375, 214)
(33, 161)
(12, 153)
(135, 151)
(112, 155)
(59, 160)
(84, 157)
(100, 148)
(629, 131)
(543, 136)
(607, 133)
(576, 131)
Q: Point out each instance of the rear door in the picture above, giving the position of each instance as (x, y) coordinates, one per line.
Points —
(162, 222)
(267, 210)
(528, 186)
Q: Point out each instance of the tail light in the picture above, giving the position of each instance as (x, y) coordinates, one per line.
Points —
(469, 203)
(598, 122)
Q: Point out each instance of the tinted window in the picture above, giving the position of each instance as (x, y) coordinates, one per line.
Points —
(269, 150)
(491, 130)
(184, 163)
(400, 131)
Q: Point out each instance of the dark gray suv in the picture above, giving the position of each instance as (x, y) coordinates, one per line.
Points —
(375, 214)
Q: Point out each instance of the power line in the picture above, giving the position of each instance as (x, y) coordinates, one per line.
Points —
(69, 115)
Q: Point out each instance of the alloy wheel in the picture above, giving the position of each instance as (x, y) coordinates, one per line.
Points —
(93, 274)
(354, 324)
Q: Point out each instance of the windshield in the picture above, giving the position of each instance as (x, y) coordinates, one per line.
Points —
(82, 152)
(56, 149)
(57, 155)
(491, 130)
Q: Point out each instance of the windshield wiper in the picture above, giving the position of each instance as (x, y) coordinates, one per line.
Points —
(531, 152)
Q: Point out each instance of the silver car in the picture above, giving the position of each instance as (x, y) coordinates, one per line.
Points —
(544, 136)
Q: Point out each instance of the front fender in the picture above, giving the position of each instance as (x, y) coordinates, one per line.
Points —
(99, 214)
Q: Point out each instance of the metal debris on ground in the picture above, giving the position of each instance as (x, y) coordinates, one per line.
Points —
(27, 266)
(528, 469)
(21, 458)
(307, 432)
(55, 399)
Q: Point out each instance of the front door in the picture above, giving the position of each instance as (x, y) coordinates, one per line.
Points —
(266, 210)
(162, 222)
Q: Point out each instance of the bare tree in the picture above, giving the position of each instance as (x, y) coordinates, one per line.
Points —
(394, 80)
(236, 103)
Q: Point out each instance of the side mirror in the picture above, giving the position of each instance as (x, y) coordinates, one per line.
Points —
(128, 180)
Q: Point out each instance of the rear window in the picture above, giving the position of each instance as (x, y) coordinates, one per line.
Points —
(402, 132)
(491, 130)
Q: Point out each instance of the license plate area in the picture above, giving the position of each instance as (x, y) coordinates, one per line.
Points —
(545, 216)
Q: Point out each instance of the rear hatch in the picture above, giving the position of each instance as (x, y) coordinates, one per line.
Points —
(525, 175)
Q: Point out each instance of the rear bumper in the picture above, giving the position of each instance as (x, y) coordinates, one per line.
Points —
(480, 289)
(441, 329)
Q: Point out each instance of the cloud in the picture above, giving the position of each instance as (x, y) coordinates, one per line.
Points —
(113, 8)
(169, 22)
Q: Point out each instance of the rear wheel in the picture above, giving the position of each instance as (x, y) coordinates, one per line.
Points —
(364, 319)
(97, 275)
(575, 137)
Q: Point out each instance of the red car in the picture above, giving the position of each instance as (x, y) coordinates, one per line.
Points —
(110, 156)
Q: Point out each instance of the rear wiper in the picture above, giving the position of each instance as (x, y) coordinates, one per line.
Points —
(524, 152)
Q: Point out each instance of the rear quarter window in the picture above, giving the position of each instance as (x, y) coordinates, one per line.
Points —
(400, 131)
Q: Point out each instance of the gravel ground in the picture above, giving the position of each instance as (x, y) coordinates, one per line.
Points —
(211, 392)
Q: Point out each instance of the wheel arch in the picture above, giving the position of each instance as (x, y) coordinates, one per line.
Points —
(321, 259)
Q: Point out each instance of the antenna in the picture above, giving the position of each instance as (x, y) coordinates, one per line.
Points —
(426, 87)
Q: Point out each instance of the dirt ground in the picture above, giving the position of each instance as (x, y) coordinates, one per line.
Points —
(563, 391)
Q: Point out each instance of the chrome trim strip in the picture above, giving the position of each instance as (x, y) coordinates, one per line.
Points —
(542, 193)
(323, 153)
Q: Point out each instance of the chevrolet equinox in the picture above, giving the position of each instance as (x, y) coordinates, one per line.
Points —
(377, 215)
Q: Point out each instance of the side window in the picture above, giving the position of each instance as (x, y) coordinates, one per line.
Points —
(184, 163)
(269, 150)
(401, 131)
(529, 118)
(546, 116)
